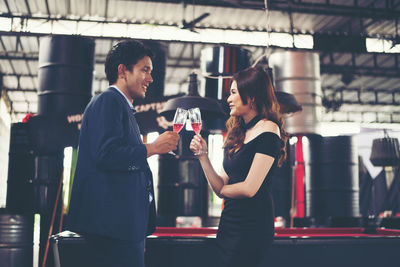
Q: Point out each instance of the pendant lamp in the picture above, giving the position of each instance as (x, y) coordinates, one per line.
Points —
(385, 151)
(210, 108)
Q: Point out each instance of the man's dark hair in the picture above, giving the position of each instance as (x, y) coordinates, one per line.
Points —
(127, 53)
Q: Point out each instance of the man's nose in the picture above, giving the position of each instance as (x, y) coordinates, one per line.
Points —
(150, 78)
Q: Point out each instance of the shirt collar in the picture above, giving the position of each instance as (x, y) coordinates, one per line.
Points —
(127, 100)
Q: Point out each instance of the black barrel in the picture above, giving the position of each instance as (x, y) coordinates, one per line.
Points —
(16, 239)
(281, 185)
(65, 74)
(48, 170)
(331, 177)
(182, 192)
(21, 170)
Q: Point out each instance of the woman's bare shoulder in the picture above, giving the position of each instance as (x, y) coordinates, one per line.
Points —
(261, 127)
(268, 126)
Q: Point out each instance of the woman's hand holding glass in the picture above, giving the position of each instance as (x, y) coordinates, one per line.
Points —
(198, 145)
(195, 121)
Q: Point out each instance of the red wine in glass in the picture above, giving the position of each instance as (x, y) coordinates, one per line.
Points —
(196, 127)
(179, 121)
(195, 121)
(177, 127)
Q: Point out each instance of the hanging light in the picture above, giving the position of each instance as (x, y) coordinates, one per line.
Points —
(287, 102)
(385, 151)
(209, 107)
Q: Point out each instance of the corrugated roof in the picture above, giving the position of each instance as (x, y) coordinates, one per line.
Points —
(19, 52)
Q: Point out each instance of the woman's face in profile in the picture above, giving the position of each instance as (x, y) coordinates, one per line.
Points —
(235, 102)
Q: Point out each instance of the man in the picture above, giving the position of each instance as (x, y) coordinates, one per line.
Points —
(112, 201)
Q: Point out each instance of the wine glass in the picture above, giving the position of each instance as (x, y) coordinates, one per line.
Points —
(178, 122)
(195, 120)
(179, 119)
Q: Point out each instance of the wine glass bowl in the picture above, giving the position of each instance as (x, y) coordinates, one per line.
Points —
(195, 119)
(178, 122)
(179, 119)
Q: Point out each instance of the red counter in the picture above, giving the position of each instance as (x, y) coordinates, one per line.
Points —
(297, 247)
(282, 232)
(319, 247)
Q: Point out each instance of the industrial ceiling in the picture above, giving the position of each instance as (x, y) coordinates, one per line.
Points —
(357, 85)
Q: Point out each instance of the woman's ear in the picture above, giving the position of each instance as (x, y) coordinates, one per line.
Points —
(252, 101)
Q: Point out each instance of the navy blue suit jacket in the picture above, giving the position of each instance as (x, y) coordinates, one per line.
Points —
(110, 193)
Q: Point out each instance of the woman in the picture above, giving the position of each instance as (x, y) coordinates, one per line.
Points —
(254, 146)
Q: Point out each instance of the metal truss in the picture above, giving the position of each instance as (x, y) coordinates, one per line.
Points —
(353, 67)
(362, 117)
(371, 97)
(390, 10)
(334, 99)
(25, 18)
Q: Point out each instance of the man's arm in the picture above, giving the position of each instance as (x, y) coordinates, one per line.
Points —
(107, 142)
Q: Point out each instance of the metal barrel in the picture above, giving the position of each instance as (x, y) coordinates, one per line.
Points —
(16, 239)
(182, 187)
(21, 170)
(298, 73)
(65, 74)
(331, 177)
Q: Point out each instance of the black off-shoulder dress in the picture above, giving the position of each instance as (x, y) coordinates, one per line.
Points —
(246, 227)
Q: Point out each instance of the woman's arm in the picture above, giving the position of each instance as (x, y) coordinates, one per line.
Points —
(199, 145)
(217, 182)
(249, 187)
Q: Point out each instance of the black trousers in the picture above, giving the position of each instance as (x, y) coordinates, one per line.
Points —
(109, 252)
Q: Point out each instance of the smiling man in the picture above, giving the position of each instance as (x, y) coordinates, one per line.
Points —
(112, 199)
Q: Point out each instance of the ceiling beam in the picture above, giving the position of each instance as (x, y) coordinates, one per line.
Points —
(51, 18)
(47, 8)
(106, 8)
(20, 90)
(358, 96)
(355, 10)
(38, 35)
(28, 8)
(360, 70)
(329, 9)
(4, 48)
(324, 68)
(8, 6)
(362, 117)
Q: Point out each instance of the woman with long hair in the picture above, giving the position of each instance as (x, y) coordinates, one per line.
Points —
(255, 145)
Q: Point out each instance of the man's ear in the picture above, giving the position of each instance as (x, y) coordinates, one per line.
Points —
(121, 70)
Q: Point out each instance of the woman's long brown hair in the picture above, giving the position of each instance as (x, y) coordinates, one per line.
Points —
(255, 83)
